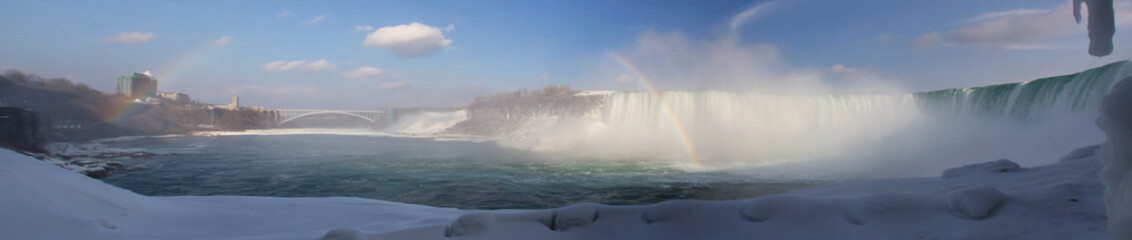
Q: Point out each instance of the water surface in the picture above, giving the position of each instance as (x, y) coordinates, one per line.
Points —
(465, 175)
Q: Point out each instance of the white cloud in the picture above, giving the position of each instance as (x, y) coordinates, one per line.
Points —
(932, 39)
(316, 66)
(623, 78)
(450, 27)
(363, 72)
(223, 41)
(750, 14)
(283, 14)
(250, 91)
(408, 41)
(130, 37)
(1007, 13)
(360, 28)
(279, 66)
(670, 61)
(314, 20)
(1001, 29)
(396, 84)
(1043, 47)
(1011, 28)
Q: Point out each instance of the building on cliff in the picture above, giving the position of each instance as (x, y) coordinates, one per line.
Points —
(175, 97)
(137, 85)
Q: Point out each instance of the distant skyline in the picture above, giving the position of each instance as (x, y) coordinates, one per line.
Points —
(368, 54)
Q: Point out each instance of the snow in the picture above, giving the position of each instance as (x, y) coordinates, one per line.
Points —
(1116, 155)
(594, 93)
(90, 158)
(977, 203)
(1059, 201)
(1002, 165)
(42, 201)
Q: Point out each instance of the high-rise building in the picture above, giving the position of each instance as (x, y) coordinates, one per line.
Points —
(137, 85)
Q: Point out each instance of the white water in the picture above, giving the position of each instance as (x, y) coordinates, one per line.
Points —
(752, 127)
(425, 123)
(806, 135)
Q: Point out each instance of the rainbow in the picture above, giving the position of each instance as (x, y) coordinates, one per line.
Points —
(681, 131)
(171, 72)
(117, 112)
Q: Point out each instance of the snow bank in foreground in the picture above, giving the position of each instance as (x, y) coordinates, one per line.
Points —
(1061, 201)
(41, 201)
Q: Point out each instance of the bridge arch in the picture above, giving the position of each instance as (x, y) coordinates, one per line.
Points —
(371, 119)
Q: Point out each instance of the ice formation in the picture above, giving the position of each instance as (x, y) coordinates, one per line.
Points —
(1102, 25)
(1116, 155)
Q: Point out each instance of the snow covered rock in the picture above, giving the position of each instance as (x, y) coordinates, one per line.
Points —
(762, 209)
(573, 216)
(1116, 155)
(1080, 153)
(345, 234)
(1002, 165)
(669, 210)
(977, 203)
(485, 223)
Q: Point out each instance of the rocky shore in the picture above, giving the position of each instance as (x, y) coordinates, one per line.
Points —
(91, 159)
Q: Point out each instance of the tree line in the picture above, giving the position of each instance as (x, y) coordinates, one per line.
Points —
(102, 115)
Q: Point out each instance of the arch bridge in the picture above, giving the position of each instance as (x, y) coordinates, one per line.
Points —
(286, 115)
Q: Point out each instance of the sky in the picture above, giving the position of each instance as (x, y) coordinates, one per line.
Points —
(365, 55)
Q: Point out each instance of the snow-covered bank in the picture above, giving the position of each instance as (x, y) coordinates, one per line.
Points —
(987, 201)
(997, 201)
(92, 159)
(41, 201)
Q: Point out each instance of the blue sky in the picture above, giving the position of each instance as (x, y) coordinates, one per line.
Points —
(370, 54)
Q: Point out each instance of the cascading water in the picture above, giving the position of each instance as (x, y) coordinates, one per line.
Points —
(1030, 122)
(1028, 101)
(750, 126)
(424, 123)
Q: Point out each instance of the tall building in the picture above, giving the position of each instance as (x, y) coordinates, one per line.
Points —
(137, 85)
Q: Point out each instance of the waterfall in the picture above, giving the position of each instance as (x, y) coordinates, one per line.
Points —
(1030, 100)
(756, 126)
(1030, 122)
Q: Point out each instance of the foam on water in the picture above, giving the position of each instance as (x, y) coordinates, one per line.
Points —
(925, 132)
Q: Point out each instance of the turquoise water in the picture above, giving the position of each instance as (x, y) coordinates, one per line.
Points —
(420, 171)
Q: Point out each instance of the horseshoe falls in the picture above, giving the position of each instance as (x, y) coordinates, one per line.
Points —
(915, 134)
